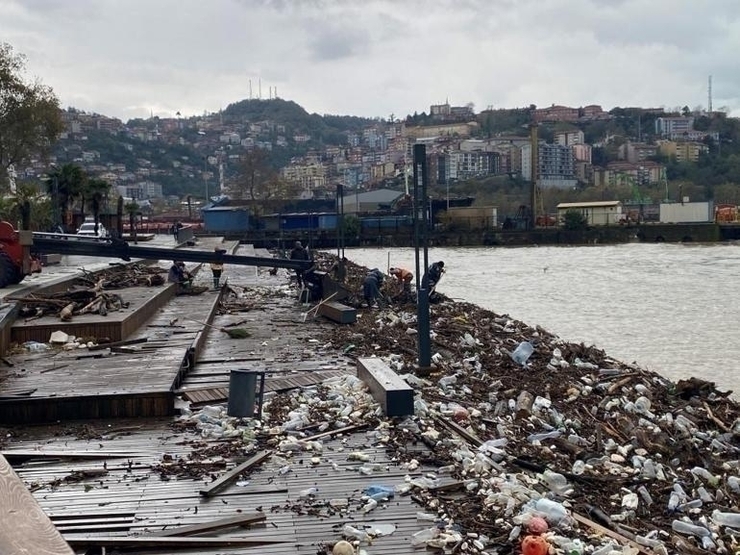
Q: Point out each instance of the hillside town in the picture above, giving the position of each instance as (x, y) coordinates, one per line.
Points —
(378, 154)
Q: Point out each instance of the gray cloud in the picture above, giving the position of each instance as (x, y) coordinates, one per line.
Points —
(374, 57)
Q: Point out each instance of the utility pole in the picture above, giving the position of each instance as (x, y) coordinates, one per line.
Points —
(535, 157)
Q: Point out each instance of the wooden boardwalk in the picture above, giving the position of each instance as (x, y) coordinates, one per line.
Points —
(135, 380)
(124, 496)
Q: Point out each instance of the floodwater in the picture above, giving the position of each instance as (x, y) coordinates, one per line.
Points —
(672, 308)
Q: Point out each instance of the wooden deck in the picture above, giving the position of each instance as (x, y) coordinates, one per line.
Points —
(135, 380)
(125, 496)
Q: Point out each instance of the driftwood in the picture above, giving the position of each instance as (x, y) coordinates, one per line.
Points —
(90, 293)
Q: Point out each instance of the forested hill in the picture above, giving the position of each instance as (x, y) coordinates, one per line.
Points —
(327, 129)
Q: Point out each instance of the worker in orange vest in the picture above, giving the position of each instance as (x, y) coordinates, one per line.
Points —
(404, 276)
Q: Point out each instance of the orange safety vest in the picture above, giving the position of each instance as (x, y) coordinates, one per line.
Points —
(403, 275)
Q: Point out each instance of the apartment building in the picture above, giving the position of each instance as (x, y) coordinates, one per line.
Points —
(635, 153)
(569, 138)
(556, 165)
(556, 113)
(673, 125)
(683, 151)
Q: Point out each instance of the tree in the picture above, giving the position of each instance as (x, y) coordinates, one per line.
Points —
(254, 176)
(30, 117)
(575, 220)
(65, 185)
(97, 190)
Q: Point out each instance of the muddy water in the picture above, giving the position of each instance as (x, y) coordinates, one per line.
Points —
(671, 308)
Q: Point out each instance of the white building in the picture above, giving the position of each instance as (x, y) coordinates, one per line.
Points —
(607, 212)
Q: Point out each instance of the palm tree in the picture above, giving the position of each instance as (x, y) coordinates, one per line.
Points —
(66, 184)
(97, 190)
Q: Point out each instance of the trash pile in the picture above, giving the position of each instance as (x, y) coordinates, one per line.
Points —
(533, 427)
(541, 446)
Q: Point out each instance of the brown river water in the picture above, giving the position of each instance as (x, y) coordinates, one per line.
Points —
(672, 308)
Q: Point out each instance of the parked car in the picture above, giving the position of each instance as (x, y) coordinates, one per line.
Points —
(88, 228)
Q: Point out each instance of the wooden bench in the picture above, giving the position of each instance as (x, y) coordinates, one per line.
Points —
(394, 395)
(338, 312)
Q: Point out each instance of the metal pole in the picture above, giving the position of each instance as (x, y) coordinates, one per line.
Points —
(420, 238)
(57, 223)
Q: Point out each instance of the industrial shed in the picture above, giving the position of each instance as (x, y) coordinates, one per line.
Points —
(225, 219)
(607, 212)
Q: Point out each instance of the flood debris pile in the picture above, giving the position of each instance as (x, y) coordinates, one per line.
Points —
(90, 294)
(612, 456)
(120, 276)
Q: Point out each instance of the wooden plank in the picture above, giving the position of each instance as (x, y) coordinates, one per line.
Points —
(612, 534)
(24, 528)
(101, 346)
(14, 454)
(242, 520)
(394, 395)
(232, 475)
(81, 541)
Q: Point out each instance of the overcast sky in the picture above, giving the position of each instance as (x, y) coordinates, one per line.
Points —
(131, 58)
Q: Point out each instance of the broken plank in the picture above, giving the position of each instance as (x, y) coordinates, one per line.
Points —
(226, 479)
(329, 433)
(101, 346)
(191, 530)
(82, 541)
(611, 533)
(33, 454)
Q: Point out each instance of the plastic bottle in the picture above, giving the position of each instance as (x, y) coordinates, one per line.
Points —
(733, 482)
(683, 527)
(726, 519)
(556, 482)
(545, 435)
(423, 536)
(554, 512)
(578, 467)
(522, 352)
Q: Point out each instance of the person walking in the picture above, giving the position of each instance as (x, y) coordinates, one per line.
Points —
(217, 268)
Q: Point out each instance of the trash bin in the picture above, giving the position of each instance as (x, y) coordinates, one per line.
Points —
(243, 392)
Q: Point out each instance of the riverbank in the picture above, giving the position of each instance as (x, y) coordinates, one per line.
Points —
(608, 453)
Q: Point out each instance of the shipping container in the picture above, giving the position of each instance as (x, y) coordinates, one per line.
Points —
(686, 212)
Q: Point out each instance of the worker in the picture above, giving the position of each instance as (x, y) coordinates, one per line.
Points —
(432, 276)
(404, 276)
(339, 269)
(299, 253)
(371, 287)
(179, 275)
(217, 268)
